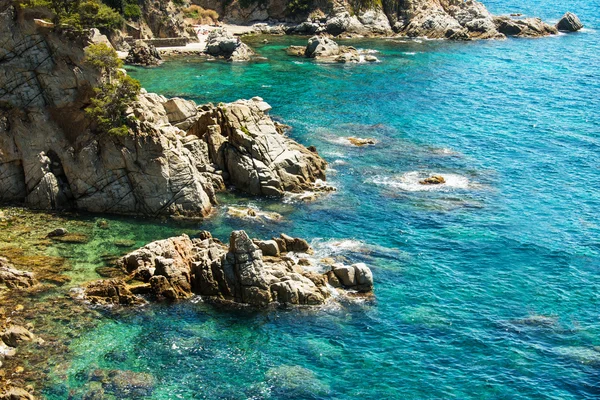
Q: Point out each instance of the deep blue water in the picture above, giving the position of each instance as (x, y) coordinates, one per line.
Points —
(486, 287)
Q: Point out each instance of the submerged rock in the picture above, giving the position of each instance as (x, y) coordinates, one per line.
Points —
(255, 272)
(124, 384)
(359, 142)
(15, 393)
(14, 335)
(433, 180)
(14, 278)
(569, 23)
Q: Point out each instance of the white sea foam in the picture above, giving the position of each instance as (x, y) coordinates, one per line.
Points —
(410, 182)
(410, 53)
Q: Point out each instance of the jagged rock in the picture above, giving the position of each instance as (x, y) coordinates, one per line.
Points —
(142, 53)
(221, 43)
(111, 292)
(320, 46)
(15, 393)
(459, 20)
(15, 335)
(247, 146)
(297, 245)
(178, 267)
(14, 278)
(569, 23)
(527, 27)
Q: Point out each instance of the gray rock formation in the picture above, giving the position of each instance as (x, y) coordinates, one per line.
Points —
(179, 267)
(452, 19)
(221, 43)
(526, 27)
(142, 53)
(569, 23)
(173, 159)
(323, 49)
(252, 152)
(319, 46)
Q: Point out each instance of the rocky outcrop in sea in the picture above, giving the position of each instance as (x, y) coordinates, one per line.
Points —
(324, 49)
(173, 160)
(245, 271)
(221, 43)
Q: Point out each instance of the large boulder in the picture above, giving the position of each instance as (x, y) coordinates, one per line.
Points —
(144, 54)
(253, 153)
(526, 27)
(221, 43)
(320, 46)
(569, 23)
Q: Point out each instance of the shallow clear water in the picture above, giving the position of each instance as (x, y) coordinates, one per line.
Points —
(486, 287)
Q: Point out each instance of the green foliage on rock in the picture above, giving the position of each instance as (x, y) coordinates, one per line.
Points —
(132, 12)
(80, 14)
(114, 94)
(296, 7)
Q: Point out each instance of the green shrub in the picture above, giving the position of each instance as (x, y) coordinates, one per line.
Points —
(114, 94)
(132, 12)
(80, 14)
(201, 15)
(296, 7)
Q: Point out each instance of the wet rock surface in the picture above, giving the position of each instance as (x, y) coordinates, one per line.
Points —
(14, 278)
(256, 273)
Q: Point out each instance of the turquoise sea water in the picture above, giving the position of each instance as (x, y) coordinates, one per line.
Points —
(486, 288)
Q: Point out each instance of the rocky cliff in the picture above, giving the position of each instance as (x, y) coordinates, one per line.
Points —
(174, 158)
(452, 19)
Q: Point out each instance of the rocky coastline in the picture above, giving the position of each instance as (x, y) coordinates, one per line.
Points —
(246, 272)
(174, 158)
